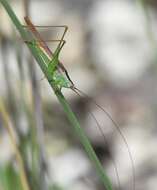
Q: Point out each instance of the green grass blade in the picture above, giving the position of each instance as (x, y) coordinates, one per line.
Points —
(72, 118)
(84, 140)
(9, 177)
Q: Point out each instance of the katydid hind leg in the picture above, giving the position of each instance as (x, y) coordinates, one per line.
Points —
(55, 26)
(60, 44)
(32, 28)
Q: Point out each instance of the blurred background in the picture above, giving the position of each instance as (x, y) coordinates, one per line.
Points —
(110, 55)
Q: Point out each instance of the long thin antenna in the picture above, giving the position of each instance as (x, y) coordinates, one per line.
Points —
(76, 90)
(105, 141)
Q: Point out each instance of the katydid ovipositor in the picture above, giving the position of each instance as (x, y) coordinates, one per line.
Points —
(51, 60)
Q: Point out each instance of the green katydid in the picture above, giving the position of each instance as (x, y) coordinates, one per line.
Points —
(43, 45)
(56, 69)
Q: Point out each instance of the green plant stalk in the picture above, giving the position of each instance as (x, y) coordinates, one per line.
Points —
(72, 118)
(31, 140)
(10, 131)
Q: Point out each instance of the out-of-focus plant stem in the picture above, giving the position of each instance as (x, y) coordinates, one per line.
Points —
(148, 23)
(7, 125)
(37, 106)
(10, 96)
